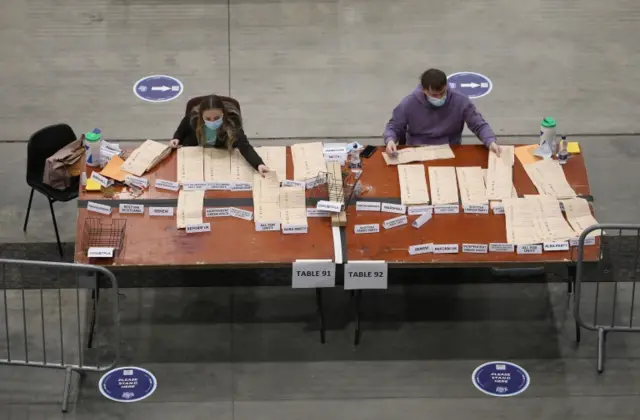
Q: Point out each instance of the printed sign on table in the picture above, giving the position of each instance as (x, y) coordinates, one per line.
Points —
(474, 85)
(158, 88)
(500, 379)
(127, 384)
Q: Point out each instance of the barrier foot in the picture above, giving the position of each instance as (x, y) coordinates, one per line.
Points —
(601, 348)
(67, 389)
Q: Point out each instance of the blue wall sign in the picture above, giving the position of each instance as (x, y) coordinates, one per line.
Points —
(474, 85)
(500, 379)
(158, 88)
(127, 384)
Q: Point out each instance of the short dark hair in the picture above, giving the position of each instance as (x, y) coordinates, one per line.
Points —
(433, 79)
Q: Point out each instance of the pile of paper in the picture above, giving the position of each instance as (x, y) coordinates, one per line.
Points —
(308, 161)
(500, 174)
(145, 157)
(413, 185)
(293, 209)
(519, 219)
(275, 158)
(190, 163)
(189, 211)
(217, 165)
(266, 198)
(108, 151)
(549, 179)
(471, 184)
(419, 154)
(535, 219)
(579, 215)
(443, 185)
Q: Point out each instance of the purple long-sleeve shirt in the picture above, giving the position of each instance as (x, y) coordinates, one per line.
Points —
(422, 123)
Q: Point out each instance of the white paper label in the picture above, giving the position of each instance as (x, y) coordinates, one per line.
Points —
(198, 227)
(446, 209)
(394, 208)
(313, 273)
(241, 186)
(340, 158)
(368, 206)
(100, 179)
(499, 247)
(194, 186)
(339, 150)
(421, 209)
(360, 275)
(475, 248)
(589, 240)
(556, 246)
(290, 183)
(372, 228)
(424, 218)
(332, 206)
(161, 211)
(294, 229)
(217, 212)
(421, 249)
(267, 226)
(219, 186)
(131, 209)
(240, 214)
(445, 248)
(476, 208)
(498, 209)
(395, 222)
(98, 208)
(529, 249)
(100, 252)
(314, 182)
(163, 184)
(311, 212)
(136, 181)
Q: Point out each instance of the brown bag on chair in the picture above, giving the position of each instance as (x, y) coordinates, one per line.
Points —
(58, 169)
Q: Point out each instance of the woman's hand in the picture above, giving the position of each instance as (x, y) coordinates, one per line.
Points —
(174, 143)
(263, 169)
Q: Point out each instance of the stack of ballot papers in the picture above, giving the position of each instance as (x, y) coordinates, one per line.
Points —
(549, 179)
(145, 157)
(419, 154)
(471, 184)
(413, 185)
(308, 161)
(189, 211)
(500, 174)
(579, 215)
(443, 185)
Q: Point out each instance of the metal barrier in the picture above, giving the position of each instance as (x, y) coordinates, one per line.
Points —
(609, 285)
(43, 322)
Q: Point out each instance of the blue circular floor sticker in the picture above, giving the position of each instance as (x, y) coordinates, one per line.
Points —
(500, 379)
(474, 85)
(158, 88)
(127, 384)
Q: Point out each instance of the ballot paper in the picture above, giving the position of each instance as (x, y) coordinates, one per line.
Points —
(549, 179)
(145, 157)
(549, 222)
(413, 185)
(472, 188)
(519, 219)
(308, 160)
(419, 154)
(241, 171)
(443, 185)
(189, 211)
(579, 215)
(266, 198)
(293, 212)
(190, 162)
(217, 165)
(275, 158)
(500, 174)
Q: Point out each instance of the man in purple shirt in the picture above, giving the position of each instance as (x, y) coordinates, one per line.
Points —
(432, 114)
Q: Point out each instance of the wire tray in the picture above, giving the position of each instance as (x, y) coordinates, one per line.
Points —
(344, 190)
(100, 233)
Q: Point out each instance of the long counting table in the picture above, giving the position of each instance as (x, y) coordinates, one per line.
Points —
(155, 241)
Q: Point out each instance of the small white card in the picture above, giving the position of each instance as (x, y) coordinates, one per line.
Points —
(475, 248)
(367, 205)
(395, 222)
(334, 149)
(100, 179)
(421, 249)
(163, 184)
(340, 158)
(219, 186)
(445, 248)
(498, 209)
(372, 228)
(360, 275)
(291, 183)
(136, 181)
(394, 208)
(161, 211)
(332, 206)
(311, 212)
(100, 252)
(529, 249)
(241, 186)
(446, 209)
(588, 241)
(240, 214)
(424, 218)
(313, 274)
(217, 212)
(556, 246)
(500, 247)
(131, 209)
(314, 182)
(421, 209)
(267, 226)
(198, 227)
(194, 186)
(98, 208)
(476, 208)
(294, 229)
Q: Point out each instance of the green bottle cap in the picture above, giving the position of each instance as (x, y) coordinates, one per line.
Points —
(548, 122)
(91, 136)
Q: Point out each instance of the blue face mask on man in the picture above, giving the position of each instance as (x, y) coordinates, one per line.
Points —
(437, 102)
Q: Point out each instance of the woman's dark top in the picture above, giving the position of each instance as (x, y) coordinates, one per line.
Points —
(186, 134)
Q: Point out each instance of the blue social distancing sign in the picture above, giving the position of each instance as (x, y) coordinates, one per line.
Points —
(474, 85)
(158, 88)
(127, 384)
(500, 379)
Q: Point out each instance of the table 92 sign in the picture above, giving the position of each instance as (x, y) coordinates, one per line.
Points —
(365, 275)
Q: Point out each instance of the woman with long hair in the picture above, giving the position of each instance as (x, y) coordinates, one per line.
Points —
(217, 123)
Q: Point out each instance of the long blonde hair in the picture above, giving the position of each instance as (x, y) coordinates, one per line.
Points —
(231, 120)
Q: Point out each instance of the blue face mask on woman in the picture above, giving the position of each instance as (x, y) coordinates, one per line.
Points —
(214, 125)
(211, 133)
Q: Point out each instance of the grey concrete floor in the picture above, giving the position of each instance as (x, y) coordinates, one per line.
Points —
(321, 69)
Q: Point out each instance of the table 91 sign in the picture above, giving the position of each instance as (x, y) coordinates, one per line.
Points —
(313, 274)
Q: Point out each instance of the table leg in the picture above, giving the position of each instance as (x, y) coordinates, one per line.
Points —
(320, 314)
(358, 299)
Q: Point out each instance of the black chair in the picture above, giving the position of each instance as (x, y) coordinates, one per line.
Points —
(42, 145)
(191, 103)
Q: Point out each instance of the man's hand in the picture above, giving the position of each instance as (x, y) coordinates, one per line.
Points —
(495, 148)
(392, 149)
